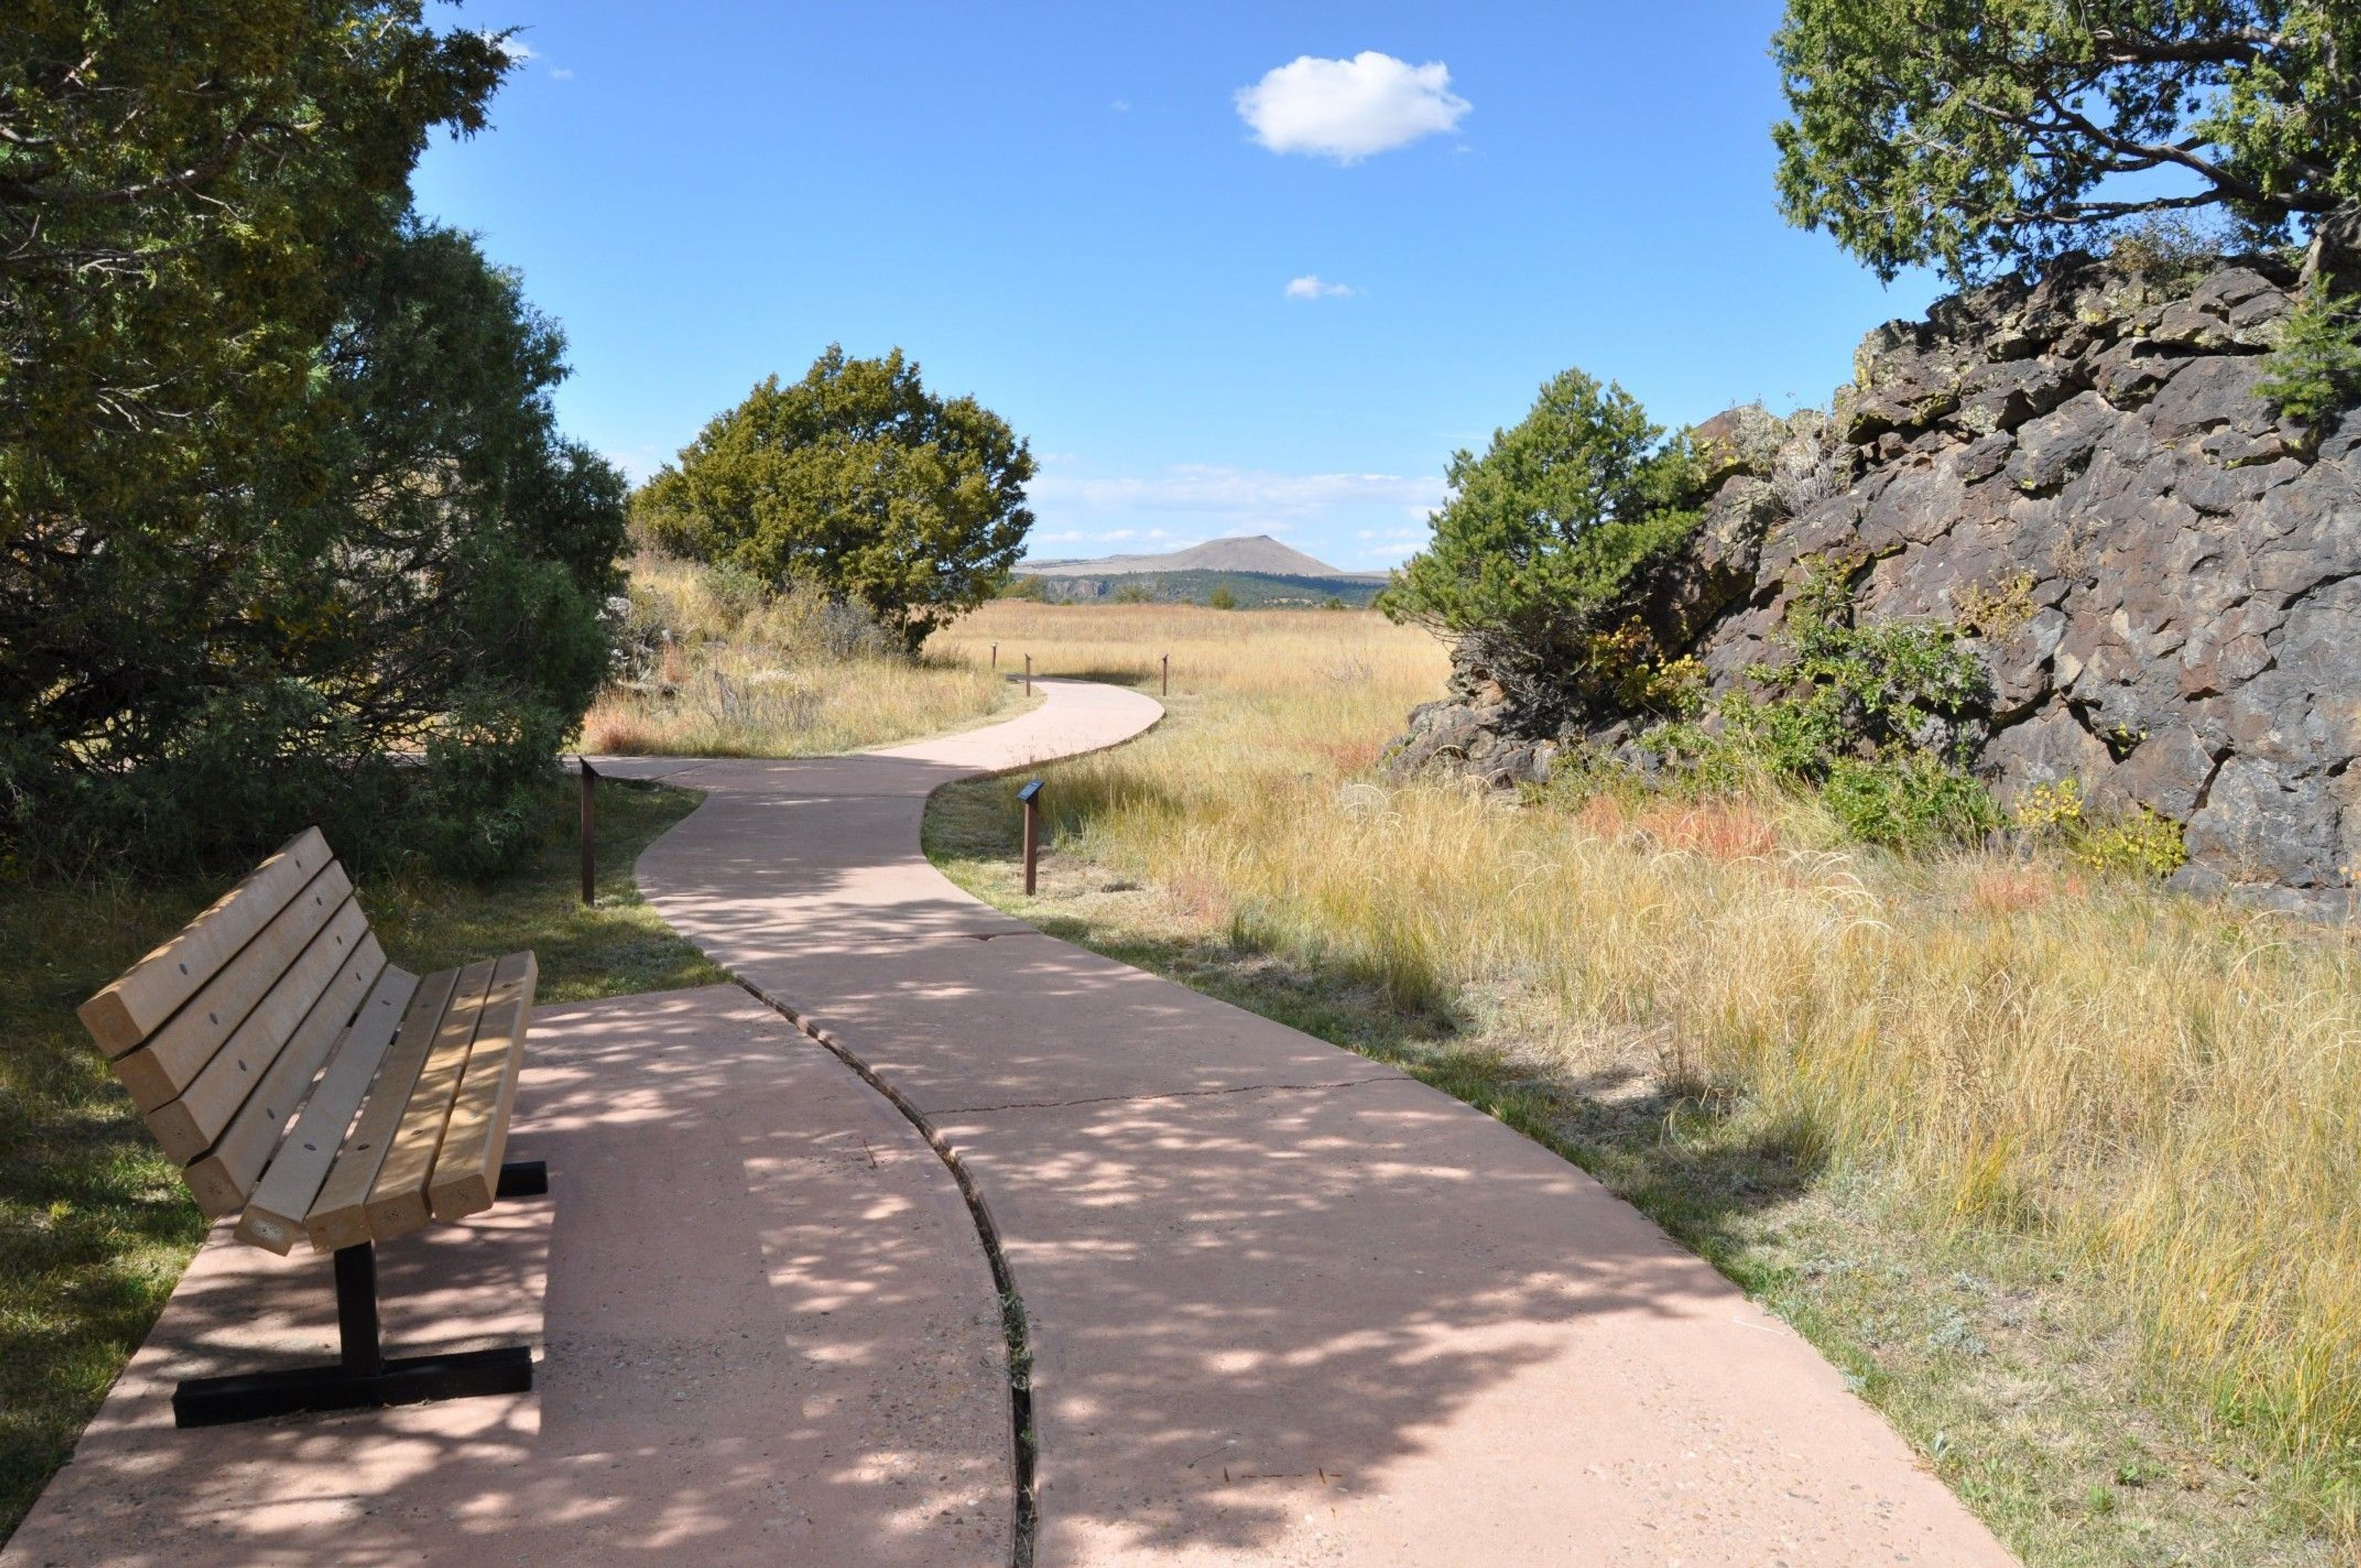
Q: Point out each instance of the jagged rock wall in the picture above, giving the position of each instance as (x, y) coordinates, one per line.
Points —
(2166, 578)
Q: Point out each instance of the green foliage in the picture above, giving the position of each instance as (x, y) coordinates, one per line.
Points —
(1543, 537)
(1909, 798)
(1880, 717)
(2138, 841)
(426, 573)
(1550, 523)
(2314, 371)
(1971, 134)
(283, 490)
(1223, 597)
(859, 480)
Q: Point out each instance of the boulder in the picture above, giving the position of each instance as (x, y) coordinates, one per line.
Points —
(2187, 565)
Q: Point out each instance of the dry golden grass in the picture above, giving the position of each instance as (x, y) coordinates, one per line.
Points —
(2160, 1098)
(721, 669)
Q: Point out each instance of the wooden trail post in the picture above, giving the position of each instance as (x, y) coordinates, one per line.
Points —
(995, 655)
(589, 831)
(1028, 674)
(1167, 674)
(1031, 796)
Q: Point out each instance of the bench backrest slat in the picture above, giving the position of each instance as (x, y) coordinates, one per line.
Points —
(187, 1126)
(168, 1062)
(275, 1211)
(224, 1176)
(137, 1004)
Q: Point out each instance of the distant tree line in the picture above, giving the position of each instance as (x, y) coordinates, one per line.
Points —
(290, 534)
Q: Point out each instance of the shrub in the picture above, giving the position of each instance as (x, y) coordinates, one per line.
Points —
(2315, 371)
(858, 478)
(1221, 597)
(2138, 841)
(425, 578)
(1543, 538)
(1882, 717)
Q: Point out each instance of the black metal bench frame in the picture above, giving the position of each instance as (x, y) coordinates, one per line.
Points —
(366, 1377)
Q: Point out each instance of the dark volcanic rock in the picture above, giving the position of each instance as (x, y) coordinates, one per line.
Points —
(2187, 566)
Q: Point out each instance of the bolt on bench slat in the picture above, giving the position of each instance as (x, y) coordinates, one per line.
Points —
(337, 1218)
(226, 1176)
(274, 1212)
(135, 1005)
(170, 1061)
(188, 1126)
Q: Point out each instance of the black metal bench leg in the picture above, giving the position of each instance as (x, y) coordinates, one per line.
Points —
(523, 1178)
(365, 1378)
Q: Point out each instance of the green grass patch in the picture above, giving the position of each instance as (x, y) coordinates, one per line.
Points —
(95, 1225)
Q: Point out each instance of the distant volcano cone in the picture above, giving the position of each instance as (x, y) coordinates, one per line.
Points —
(1257, 552)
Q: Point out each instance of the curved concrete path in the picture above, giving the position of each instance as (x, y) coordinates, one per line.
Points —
(768, 1337)
(1288, 1306)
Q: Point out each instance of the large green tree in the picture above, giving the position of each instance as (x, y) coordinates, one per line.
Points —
(1542, 539)
(280, 498)
(1970, 135)
(859, 480)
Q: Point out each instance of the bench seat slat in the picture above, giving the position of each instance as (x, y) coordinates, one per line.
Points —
(137, 1004)
(223, 1177)
(397, 1201)
(158, 1070)
(337, 1217)
(187, 1126)
(467, 1166)
(275, 1209)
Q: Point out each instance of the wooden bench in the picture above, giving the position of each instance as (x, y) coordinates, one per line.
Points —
(294, 1074)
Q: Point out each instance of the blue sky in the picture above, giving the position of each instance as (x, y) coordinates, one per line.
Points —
(1072, 213)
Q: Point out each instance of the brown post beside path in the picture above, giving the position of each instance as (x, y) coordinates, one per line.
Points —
(1028, 674)
(1031, 796)
(590, 832)
(1167, 674)
(995, 655)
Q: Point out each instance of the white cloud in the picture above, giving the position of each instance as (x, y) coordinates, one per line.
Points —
(1310, 287)
(562, 72)
(1120, 105)
(512, 45)
(1348, 109)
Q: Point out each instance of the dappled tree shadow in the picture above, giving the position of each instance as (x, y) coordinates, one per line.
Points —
(766, 1335)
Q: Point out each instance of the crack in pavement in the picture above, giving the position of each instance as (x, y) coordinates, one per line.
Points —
(1170, 1095)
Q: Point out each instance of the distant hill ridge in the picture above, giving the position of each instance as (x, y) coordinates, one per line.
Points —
(1258, 554)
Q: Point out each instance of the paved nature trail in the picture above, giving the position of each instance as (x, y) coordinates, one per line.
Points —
(1287, 1305)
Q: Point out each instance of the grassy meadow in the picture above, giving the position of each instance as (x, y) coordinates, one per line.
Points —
(95, 1225)
(718, 668)
(2058, 1168)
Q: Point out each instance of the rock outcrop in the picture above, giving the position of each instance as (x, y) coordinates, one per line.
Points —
(2164, 579)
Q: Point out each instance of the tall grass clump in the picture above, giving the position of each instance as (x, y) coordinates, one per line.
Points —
(2153, 1093)
(715, 662)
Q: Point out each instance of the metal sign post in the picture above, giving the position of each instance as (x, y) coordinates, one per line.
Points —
(1031, 798)
(590, 832)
